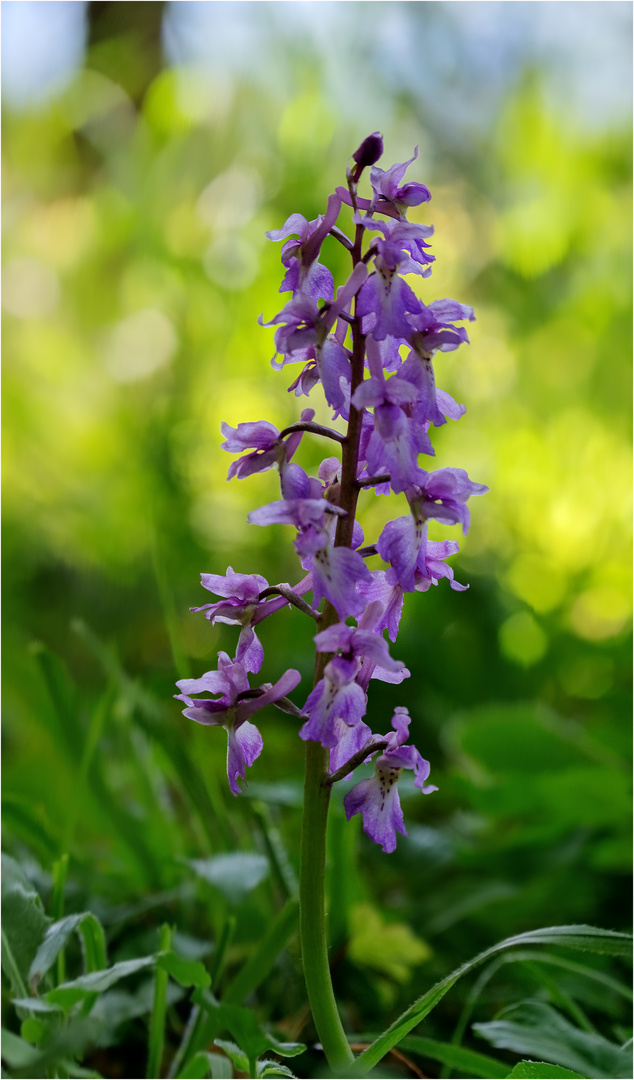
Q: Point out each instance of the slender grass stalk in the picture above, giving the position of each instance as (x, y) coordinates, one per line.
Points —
(157, 1022)
(59, 873)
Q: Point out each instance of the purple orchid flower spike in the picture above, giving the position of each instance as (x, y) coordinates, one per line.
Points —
(242, 607)
(233, 709)
(377, 799)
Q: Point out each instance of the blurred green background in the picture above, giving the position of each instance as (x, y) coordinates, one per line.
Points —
(147, 149)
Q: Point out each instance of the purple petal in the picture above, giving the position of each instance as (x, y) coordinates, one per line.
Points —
(391, 598)
(399, 545)
(244, 745)
(287, 682)
(205, 712)
(333, 366)
(379, 805)
(249, 652)
(244, 587)
(296, 225)
(335, 574)
(259, 435)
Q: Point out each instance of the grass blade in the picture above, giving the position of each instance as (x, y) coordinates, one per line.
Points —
(157, 1022)
(585, 938)
(260, 963)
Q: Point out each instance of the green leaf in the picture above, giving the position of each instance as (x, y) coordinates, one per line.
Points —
(19, 819)
(36, 1005)
(251, 1039)
(541, 1070)
(390, 948)
(205, 1064)
(77, 1072)
(24, 924)
(274, 1068)
(56, 938)
(96, 982)
(262, 960)
(34, 1030)
(15, 1051)
(456, 1057)
(234, 875)
(535, 1028)
(234, 1053)
(71, 1041)
(584, 938)
(150, 715)
(186, 972)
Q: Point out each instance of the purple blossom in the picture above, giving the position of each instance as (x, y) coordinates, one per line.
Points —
(359, 642)
(350, 739)
(303, 271)
(335, 570)
(397, 440)
(387, 303)
(269, 451)
(233, 709)
(241, 607)
(377, 799)
(443, 496)
(390, 598)
(387, 187)
(390, 196)
(302, 324)
(337, 696)
(432, 327)
(404, 545)
(403, 245)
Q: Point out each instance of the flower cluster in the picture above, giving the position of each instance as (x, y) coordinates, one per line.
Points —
(370, 345)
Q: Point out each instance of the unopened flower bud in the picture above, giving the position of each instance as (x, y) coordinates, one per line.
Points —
(370, 150)
(367, 154)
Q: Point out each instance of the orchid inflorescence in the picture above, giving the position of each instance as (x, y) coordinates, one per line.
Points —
(349, 342)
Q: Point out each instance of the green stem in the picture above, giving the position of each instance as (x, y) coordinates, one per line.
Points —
(312, 919)
(312, 869)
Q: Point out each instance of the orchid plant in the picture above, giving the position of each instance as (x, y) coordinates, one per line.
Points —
(371, 347)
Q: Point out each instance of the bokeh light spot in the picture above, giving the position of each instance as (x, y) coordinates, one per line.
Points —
(139, 346)
(600, 612)
(522, 639)
(30, 289)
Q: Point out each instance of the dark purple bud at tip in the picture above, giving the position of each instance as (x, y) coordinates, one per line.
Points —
(370, 150)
